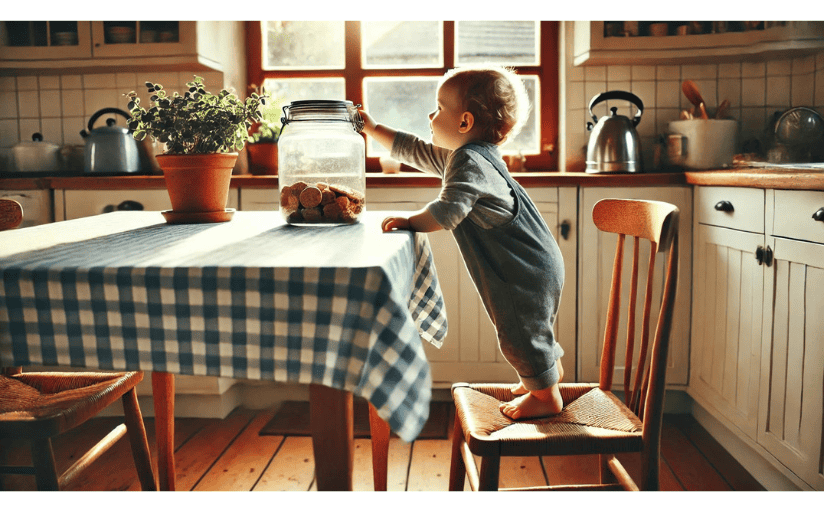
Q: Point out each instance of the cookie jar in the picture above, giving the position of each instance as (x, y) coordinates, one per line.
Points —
(321, 163)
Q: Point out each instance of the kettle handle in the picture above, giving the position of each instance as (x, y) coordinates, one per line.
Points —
(618, 95)
(103, 111)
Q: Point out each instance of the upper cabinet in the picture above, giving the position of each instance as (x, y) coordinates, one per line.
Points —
(632, 42)
(55, 46)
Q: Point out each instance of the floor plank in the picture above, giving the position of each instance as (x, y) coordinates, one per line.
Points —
(291, 469)
(196, 456)
(689, 466)
(733, 472)
(429, 468)
(243, 463)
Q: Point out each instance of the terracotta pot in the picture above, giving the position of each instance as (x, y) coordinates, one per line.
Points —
(198, 183)
(263, 158)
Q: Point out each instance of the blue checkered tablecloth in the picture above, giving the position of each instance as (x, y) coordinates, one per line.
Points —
(253, 298)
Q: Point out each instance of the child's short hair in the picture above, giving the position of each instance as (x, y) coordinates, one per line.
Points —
(495, 96)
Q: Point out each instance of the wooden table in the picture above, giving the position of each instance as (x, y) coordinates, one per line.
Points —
(343, 309)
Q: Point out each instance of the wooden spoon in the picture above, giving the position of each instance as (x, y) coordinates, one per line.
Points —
(721, 113)
(694, 95)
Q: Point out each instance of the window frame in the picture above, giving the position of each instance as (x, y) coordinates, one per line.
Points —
(353, 74)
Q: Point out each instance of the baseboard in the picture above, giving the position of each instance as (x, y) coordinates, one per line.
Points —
(768, 473)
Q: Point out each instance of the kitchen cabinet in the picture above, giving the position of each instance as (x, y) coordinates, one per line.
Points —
(470, 351)
(728, 303)
(97, 46)
(792, 356)
(593, 47)
(758, 322)
(595, 260)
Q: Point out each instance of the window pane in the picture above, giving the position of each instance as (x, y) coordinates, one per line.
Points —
(303, 45)
(403, 103)
(528, 139)
(402, 44)
(284, 91)
(511, 43)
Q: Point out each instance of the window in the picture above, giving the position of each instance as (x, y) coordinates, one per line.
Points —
(393, 69)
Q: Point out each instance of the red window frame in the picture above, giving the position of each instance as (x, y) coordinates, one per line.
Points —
(353, 73)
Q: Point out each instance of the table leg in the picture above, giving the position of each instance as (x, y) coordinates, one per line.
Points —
(379, 430)
(163, 393)
(333, 437)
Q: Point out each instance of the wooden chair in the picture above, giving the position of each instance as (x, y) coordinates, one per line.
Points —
(594, 420)
(36, 406)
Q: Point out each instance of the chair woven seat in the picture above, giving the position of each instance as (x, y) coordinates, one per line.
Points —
(592, 421)
(54, 402)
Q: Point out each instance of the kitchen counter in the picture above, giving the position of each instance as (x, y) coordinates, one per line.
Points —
(795, 179)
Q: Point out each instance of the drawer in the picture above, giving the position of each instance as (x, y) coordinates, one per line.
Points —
(794, 210)
(731, 207)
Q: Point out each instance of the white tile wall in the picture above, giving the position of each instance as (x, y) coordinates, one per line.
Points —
(60, 106)
(755, 90)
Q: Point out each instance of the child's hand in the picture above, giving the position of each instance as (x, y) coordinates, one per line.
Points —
(394, 224)
(369, 123)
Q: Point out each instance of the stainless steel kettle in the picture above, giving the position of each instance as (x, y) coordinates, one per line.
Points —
(614, 145)
(110, 149)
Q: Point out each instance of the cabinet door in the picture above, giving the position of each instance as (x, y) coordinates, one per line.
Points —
(792, 359)
(143, 38)
(42, 40)
(728, 288)
(597, 251)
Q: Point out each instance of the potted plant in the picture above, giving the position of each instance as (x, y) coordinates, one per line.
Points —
(203, 133)
(263, 148)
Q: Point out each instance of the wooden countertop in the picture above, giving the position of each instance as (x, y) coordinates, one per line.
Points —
(750, 177)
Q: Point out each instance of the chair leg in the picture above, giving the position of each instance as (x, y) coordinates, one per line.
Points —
(490, 471)
(457, 468)
(138, 441)
(607, 477)
(379, 431)
(45, 469)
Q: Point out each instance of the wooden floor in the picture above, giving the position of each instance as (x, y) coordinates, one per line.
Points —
(229, 455)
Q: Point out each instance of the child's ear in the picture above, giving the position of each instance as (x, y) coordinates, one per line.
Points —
(467, 122)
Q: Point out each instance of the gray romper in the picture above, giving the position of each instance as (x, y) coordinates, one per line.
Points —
(510, 254)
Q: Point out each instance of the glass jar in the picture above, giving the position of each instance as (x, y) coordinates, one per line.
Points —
(321, 163)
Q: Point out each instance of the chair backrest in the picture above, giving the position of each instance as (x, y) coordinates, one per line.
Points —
(11, 214)
(657, 222)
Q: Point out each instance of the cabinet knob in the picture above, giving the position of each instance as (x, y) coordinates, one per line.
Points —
(129, 205)
(565, 227)
(724, 206)
(764, 255)
(819, 215)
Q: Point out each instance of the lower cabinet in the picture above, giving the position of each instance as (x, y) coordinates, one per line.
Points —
(74, 204)
(792, 356)
(758, 323)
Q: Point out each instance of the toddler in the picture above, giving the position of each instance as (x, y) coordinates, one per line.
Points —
(511, 255)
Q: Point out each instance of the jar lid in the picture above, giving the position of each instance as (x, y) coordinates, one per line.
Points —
(323, 111)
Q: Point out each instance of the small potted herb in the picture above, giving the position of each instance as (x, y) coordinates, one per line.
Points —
(203, 133)
(263, 149)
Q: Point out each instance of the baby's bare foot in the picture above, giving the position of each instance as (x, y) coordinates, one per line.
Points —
(519, 389)
(534, 404)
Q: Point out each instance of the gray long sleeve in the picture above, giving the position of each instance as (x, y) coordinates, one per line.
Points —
(471, 189)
